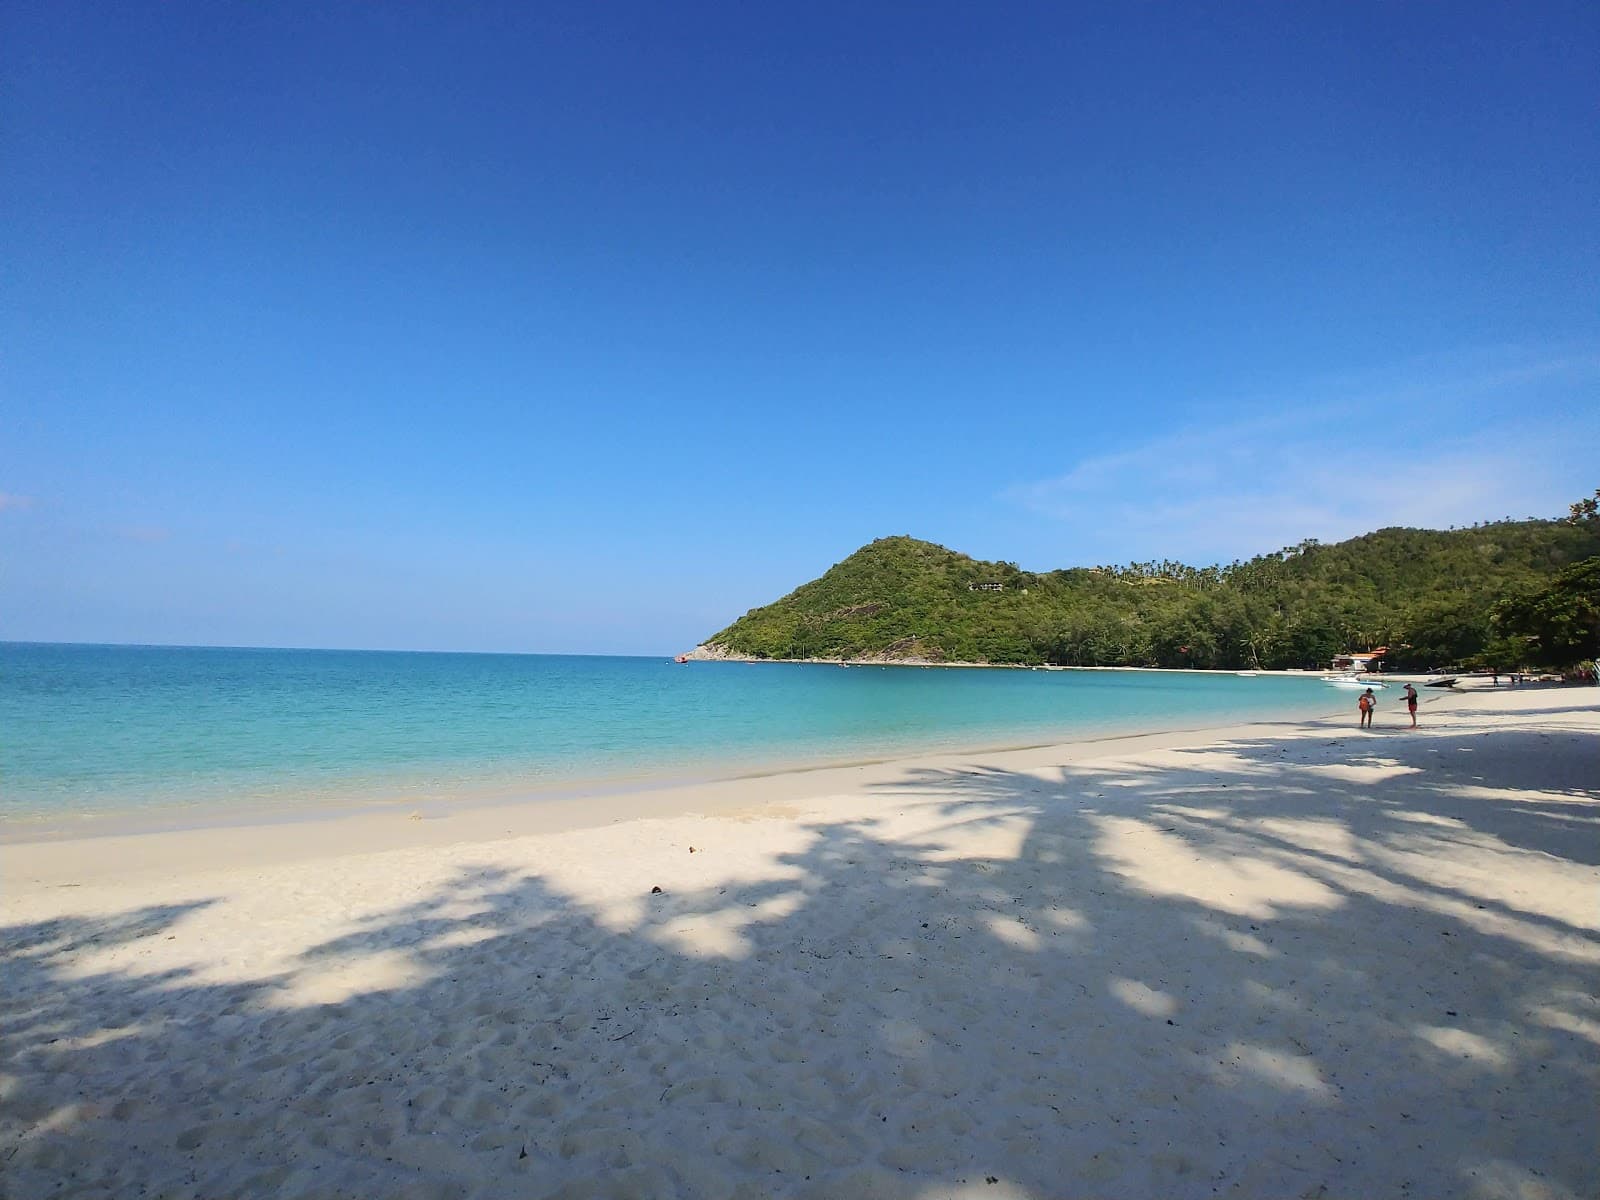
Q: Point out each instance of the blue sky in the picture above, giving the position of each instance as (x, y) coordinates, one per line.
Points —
(587, 327)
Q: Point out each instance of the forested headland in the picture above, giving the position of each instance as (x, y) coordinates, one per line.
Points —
(1501, 595)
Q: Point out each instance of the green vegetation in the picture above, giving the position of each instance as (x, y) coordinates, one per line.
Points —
(1558, 624)
(1503, 594)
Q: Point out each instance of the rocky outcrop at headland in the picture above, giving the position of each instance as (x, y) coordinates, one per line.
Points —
(908, 652)
(713, 652)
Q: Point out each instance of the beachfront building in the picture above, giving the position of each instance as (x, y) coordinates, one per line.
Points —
(1360, 661)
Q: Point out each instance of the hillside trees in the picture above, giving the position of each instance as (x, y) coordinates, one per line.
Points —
(1430, 595)
(1558, 624)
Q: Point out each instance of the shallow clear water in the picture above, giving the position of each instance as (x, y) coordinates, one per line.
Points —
(100, 730)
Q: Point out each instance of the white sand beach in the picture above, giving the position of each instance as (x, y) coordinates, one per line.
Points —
(1272, 961)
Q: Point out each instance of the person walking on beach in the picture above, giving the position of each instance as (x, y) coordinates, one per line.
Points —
(1411, 704)
(1366, 704)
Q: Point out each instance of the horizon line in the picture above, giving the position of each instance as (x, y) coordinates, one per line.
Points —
(321, 649)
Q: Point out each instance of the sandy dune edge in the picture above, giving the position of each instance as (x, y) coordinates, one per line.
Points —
(1292, 962)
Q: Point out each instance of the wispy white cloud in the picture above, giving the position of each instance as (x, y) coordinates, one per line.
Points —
(11, 502)
(1420, 453)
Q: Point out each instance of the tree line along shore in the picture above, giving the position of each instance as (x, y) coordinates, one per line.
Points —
(1502, 595)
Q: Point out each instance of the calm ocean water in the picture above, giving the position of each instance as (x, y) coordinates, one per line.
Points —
(90, 731)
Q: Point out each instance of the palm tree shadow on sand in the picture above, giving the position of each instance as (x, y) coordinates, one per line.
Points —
(1266, 971)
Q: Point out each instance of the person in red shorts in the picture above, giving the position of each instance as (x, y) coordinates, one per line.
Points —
(1411, 704)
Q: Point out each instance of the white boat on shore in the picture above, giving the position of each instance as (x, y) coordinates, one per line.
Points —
(1352, 681)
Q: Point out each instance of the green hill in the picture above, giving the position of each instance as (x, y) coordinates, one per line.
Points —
(1428, 593)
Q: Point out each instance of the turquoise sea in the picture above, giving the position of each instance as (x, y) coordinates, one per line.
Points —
(206, 734)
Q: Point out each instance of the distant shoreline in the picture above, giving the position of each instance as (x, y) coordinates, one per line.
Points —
(702, 654)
